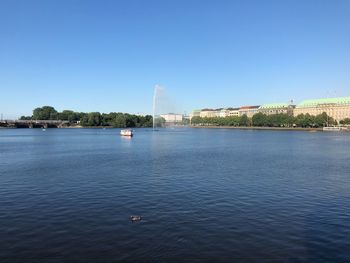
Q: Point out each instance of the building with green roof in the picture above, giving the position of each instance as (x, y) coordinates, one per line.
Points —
(277, 108)
(320, 102)
(337, 108)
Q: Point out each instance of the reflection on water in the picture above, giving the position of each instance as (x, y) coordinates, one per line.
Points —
(205, 195)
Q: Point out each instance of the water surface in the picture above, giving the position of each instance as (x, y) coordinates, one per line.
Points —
(206, 195)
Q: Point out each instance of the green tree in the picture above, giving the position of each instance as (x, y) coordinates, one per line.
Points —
(259, 119)
(130, 120)
(108, 119)
(94, 119)
(320, 120)
(91, 119)
(25, 118)
(304, 121)
(45, 113)
(196, 120)
(68, 115)
(84, 119)
(244, 120)
(232, 120)
(119, 121)
(345, 121)
(279, 120)
(147, 121)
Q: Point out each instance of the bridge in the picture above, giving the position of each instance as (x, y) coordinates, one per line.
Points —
(34, 123)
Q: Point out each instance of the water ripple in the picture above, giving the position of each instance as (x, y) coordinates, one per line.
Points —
(204, 195)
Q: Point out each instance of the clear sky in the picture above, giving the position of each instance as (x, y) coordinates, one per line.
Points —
(108, 55)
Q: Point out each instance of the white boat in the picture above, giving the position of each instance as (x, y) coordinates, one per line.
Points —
(128, 133)
(331, 129)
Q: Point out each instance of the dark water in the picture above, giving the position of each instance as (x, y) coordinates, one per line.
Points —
(206, 195)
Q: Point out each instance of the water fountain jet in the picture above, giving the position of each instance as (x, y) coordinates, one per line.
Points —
(157, 90)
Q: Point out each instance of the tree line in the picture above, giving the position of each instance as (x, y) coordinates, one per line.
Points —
(345, 121)
(93, 119)
(274, 120)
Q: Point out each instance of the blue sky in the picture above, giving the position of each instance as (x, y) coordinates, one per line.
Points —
(108, 55)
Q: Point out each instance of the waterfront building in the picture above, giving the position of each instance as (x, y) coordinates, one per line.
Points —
(233, 111)
(172, 117)
(277, 108)
(209, 113)
(218, 113)
(223, 113)
(337, 108)
(248, 110)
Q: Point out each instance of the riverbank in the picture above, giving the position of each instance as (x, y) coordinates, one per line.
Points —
(74, 127)
(260, 128)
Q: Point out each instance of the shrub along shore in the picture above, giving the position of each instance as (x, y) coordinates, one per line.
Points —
(259, 128)
(261, 120)
(91, 119)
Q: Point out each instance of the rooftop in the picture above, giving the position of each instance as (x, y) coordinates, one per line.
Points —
(313, 103)
(274, 106)
(249, 107)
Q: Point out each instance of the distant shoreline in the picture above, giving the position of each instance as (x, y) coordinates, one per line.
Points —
(75, 127)
(259, 128)
(189, 126)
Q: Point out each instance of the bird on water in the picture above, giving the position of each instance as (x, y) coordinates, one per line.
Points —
(135, 218)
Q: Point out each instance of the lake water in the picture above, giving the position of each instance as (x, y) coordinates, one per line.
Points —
(205, 195)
